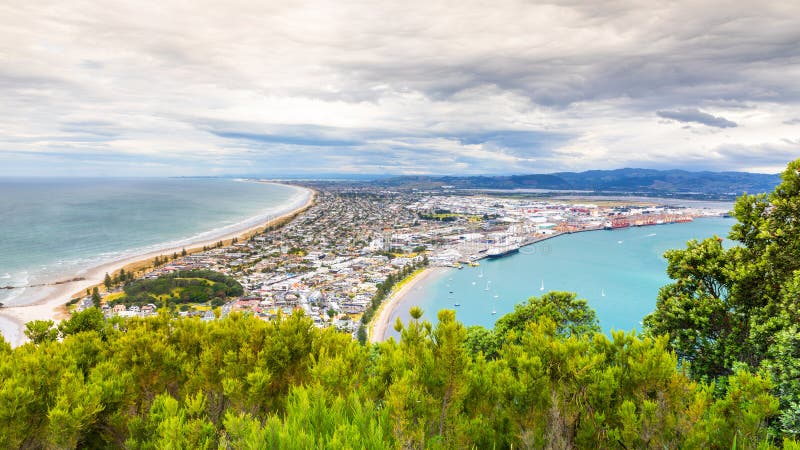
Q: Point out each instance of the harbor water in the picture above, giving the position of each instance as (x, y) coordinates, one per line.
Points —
(619, 273)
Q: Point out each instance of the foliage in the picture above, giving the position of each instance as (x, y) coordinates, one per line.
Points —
(190, 286)
(740, 304)
(39, 331)
(240, 382)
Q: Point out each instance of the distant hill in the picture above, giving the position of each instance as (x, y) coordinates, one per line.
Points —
(644, 181)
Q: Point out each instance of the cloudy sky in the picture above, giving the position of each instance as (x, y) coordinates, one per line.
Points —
(462, 87)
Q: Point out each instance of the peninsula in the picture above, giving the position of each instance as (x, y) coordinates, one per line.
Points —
(338, 257)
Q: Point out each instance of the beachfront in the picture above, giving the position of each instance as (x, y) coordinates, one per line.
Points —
(330, 260)
(388, 310)
(48, 301)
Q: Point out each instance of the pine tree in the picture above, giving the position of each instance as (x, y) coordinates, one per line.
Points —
(96, 295)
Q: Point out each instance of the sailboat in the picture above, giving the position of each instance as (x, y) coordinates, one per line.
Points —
(487, 285)
(480, 275)
(602, 292)
(542, 288)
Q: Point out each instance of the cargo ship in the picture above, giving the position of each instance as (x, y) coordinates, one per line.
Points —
(618, 222)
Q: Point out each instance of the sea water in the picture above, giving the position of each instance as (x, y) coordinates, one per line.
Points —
(56, 228)
(619, 272)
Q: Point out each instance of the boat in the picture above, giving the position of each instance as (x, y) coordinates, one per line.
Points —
(542, 288)
(474, 264)
(480, 275)
(602, 292)
(494, 312)
(502, 250)
(620, 222)
(617, 222)
(487, 285)
(457, 304)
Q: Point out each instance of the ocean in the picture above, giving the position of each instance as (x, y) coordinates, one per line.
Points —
(618, 272)
(54, 229)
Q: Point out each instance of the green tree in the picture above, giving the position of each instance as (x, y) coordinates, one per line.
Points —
(96, 296)
(740, 304)
(241, 382)
(90, 319)
(107, 282)
(571, 315)
(39, 331)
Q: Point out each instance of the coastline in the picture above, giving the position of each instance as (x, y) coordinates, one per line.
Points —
(381, 323)
(379, 326)
(50, 304)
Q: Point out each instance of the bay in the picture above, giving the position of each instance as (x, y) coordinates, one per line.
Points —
(619, 273)
(53, 228)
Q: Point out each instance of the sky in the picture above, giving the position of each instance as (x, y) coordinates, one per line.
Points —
(181, 88)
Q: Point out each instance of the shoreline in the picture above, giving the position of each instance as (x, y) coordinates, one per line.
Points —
(379, 326)
(51, 303)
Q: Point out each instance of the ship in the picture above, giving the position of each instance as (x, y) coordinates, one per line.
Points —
(617, 222)
(502, 250)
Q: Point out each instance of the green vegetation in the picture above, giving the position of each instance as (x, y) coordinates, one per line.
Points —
(738, 307)
(240, 382)
(718, 368)
(191, 286)
(447, 216)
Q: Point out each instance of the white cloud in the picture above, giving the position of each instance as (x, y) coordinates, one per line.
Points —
(395, 86)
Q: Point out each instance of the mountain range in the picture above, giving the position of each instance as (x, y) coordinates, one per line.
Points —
(640, 181)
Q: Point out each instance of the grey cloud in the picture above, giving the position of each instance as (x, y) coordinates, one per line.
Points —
(728, 157)
(306, 139)
(536, 84)
(696, 116)
(661, 55)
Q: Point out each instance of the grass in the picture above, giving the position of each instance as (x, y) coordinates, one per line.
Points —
(114, 296)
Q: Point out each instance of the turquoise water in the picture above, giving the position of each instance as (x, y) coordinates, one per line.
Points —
(52, 228)
(618, 272)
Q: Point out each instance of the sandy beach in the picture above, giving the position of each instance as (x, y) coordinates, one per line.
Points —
(380, 325)
(49, 302)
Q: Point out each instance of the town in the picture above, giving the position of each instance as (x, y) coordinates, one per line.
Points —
(330, 260)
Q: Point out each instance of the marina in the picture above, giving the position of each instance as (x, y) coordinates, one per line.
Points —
(619, 278)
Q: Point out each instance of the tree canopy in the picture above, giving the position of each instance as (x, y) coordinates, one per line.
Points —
(186, 286)
(739, 305)
(241, 382)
